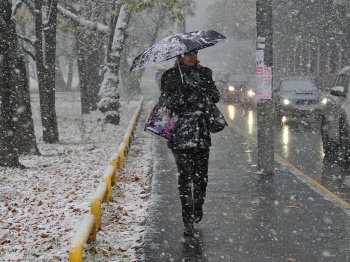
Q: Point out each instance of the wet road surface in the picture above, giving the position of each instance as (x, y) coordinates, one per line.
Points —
(288, 219)
(298, 143)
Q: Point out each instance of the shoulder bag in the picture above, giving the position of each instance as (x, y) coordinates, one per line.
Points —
(215, 119)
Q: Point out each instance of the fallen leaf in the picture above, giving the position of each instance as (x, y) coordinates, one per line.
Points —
(6, 241)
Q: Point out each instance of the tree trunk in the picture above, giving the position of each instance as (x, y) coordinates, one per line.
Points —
(25, 126)
(340, 57)
(95, 62)
(70, 73)
(25, 129)
(132, 81)
(109, 96)
(59, 82)
(45, 49)
(10, 88)
(8, 144)
(318, 61)
(345, 52)
(334, 57)
(82, 72)
(309, 62)
(112, 25)
(90, 62)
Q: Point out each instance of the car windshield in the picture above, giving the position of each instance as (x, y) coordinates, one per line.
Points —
(298, 85)
(342, 80)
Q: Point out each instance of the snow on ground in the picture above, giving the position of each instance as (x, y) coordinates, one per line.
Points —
(41, 207)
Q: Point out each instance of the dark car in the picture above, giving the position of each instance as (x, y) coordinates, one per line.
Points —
(249, 99)
(232, 91)
(299, 97)
(221, 78)
(335, 125)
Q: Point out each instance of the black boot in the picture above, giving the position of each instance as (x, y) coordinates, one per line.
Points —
(188, 229)
(198, 212)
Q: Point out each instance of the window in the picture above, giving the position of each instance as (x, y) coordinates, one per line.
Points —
(298, 85)
(342, 80)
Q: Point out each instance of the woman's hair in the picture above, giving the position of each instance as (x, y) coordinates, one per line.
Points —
(179, 61)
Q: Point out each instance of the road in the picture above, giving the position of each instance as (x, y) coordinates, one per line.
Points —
(298, 144)
(296, 217)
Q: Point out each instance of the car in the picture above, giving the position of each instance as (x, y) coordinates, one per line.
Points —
(220, 78)
(249, 99)
(299, 97)
(233, 88)
(335, 123)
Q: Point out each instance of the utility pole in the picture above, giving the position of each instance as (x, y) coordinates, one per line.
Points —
(264, 71)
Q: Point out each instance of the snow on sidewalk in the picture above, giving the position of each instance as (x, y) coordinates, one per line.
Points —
(41, 207)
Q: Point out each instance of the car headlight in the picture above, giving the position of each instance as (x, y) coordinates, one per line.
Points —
(231, 88)
(324, 101)
(251, 93)
(286, 102)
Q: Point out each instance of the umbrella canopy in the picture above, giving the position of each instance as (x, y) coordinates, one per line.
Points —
(175, 45)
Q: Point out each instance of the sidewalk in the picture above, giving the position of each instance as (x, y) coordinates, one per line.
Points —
(244, 220)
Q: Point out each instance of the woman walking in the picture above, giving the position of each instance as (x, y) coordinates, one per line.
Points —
(187, 88)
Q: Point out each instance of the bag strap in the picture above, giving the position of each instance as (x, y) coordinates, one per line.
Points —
(182, 77)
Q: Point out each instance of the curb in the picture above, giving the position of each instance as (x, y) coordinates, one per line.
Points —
(103, 193)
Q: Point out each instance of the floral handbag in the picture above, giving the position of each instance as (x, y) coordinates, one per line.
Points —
(162, 121)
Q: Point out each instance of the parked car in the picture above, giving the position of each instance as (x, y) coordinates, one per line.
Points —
(232, 91)
(299, 97)
(335, 124)
(249, 99)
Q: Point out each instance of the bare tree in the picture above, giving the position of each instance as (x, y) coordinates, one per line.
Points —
(45, 50)
(108, 94)
(16, 125)
(140, 38)
(90, 33)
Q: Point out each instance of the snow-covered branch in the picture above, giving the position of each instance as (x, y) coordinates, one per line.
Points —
(29, 53)
(15, 6)
(26, 39)
(88, 24)
(109, 95)
(28, 5)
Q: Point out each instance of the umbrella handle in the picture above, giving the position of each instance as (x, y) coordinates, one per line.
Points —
(182, 78)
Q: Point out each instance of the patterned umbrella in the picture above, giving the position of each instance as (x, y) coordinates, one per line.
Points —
(175, 45)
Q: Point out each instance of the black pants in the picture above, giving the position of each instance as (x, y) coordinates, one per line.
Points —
(192, 165)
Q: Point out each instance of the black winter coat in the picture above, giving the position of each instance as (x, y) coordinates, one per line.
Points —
(189, 98)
